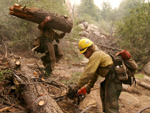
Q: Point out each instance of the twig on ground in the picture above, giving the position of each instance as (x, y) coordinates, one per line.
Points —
(18, 78)
(140, 111)
(16, 106)
(57, 84)
(86, 109)
(6, 108)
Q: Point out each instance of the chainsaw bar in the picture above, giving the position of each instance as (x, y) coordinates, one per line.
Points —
(64, 97)
(77, 97)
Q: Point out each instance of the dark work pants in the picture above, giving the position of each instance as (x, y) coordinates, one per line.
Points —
(52, 55)
(110, 90)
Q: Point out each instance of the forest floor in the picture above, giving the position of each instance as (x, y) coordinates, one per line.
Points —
(132, 99)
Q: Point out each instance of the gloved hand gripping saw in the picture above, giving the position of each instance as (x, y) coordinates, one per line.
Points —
(79, 95)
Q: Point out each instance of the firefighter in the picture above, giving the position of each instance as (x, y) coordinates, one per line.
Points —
(44, 42)
(100, 64)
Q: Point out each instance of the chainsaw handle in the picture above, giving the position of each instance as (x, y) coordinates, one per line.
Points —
(71, 94)
(81, 92)
(77, 94)
(78, 98)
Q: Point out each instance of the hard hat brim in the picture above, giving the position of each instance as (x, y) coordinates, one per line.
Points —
(81, 52)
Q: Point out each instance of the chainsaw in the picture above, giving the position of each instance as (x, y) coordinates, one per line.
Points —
(77, 97)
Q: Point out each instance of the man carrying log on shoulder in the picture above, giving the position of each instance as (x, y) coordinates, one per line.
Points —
(44, 45)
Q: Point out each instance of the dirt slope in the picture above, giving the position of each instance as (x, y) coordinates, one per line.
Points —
(131, 100)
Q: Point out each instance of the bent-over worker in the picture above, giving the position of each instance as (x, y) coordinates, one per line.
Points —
(100, 64)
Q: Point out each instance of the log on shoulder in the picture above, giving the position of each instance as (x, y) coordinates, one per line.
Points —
(58, 22)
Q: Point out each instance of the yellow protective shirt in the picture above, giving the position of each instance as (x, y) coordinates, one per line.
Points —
(97, 60)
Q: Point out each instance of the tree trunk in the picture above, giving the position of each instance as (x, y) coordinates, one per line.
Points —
(38, 100)
(58, 22)
(34, 93)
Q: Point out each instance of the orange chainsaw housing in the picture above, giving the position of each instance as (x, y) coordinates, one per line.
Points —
(82, 91)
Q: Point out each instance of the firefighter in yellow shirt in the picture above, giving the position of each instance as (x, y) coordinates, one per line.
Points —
(100, 64)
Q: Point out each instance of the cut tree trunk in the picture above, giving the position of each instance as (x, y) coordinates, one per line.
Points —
(58, 22)
(35, 94)
(38, 100)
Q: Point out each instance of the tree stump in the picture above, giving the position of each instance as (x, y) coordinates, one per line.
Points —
(58, 22)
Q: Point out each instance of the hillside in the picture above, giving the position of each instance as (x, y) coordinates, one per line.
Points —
(67, 72)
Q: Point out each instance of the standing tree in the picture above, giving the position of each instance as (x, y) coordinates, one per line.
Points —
(106, 10)
(88, 8)
(134, 33)
(125, 7)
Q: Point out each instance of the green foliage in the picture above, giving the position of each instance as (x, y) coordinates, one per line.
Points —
(104, 17)
(139, 76)
(135, 34)
(88, 8)
(69, 50)
(3, 72)
(125, 7)
(22, 32)
(56, 6)
(74, 35)
(73, 80)
(106, 10)
(105, 26)
(109, 16)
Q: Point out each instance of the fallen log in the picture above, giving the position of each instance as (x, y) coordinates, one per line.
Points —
(38, 100)
(36, 96)
(33, 90)
(58, 22)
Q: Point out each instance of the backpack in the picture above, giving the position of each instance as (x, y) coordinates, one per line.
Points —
(125, 67)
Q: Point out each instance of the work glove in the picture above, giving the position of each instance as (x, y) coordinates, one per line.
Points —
(75, 89)
(88, 89)
(57, 40)
(72, 92)
(47, 18)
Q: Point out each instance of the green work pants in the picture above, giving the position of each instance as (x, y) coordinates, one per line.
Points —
(110, 90)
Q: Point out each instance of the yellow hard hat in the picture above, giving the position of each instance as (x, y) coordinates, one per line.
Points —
(84, 44)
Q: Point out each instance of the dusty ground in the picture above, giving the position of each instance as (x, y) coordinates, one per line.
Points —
(130, 101)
